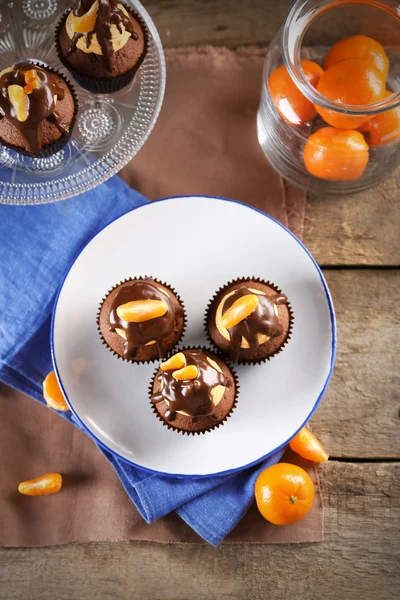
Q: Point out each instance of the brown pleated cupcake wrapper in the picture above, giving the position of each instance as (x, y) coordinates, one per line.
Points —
(217, 424)
(225, 287)
(103, 85)
(59, 144)
(132, 360)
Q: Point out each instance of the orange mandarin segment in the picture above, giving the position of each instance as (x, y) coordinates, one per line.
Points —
(240, 310)
(284, 493)
(138, 311)
(41, 486)
(86, 22)
(305, 444)
(52, 393)
(178, 361)
(293, 106)
(189, 372)
(336, 154)
(20, 102)
(358, 46)
(352, 81)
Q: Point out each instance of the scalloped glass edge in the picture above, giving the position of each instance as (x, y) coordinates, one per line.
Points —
(110, 164)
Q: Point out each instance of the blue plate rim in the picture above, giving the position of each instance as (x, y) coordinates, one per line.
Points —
(332, 315)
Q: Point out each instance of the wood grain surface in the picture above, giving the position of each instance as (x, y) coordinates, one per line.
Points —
(358, 560)
(358, 420)
(359, 415)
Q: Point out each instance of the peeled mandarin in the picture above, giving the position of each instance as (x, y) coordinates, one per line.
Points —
(384, 128)
(41, 486)
(189, 372)
(138, 311)
(20, 102)
(336, 154)
(352, 81)
(358, 46)
(305, 444)
(52, 393)
(293, 106)
(240, 310)
(175, 362)
(86, 22)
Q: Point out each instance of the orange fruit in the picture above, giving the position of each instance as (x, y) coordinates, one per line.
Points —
(52, 393)
(351, 81)
(358, 46)
(86, 22)
(336, 154)
(294, 107)
(305, 444)
(384, 128)
(284, 493)
(41, 486)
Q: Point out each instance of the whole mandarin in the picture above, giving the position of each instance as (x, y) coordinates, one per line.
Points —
(352, 81)
(336, 154)
(284, 493)
(384, 128)
(358, 46)
(293, 106)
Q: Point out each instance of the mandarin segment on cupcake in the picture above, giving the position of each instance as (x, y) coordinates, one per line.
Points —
(102, 40)
(249, 320)
(193, 391)
(37, 108)
(141, 319)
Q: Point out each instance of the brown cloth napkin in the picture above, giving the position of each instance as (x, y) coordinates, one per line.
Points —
(205, 142)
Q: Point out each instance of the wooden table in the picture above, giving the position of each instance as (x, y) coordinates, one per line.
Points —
(356, 240)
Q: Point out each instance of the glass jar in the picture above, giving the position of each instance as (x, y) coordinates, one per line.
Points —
(347, 158)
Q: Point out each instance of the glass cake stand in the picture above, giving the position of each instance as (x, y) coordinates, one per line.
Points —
(109, 130)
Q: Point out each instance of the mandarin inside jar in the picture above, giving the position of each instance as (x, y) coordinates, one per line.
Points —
(329, 116)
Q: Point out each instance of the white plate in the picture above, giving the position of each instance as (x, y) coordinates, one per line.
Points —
(196, 244)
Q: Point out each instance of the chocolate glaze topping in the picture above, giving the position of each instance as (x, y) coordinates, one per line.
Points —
(108, 13)
(262, 320)
(139, 334)
(41, 102)
(192, 396)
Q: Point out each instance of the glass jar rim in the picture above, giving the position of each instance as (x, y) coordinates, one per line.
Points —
(291, 42)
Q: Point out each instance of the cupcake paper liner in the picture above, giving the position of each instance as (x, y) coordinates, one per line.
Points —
(103, 85)
(59, 144)
(210, 307)
(131, 360)
(217, 424)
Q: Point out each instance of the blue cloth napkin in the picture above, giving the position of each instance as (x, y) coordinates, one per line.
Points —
(37, 245)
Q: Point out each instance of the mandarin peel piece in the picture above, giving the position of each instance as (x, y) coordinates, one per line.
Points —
(19, 101)
(240, 310)
(50, 483)
(187, 373)
(178, 361)
(86, 23)
(139, 311)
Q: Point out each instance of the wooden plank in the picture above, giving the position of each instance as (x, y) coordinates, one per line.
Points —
(353, 230)
(359, 558)
(359, 416)
(362, 229)
(217, 22)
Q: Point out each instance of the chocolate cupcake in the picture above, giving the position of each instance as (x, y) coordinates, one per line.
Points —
(194, 391)
(141, 319)
(37, 109)
(102, 43)
(250, 320)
